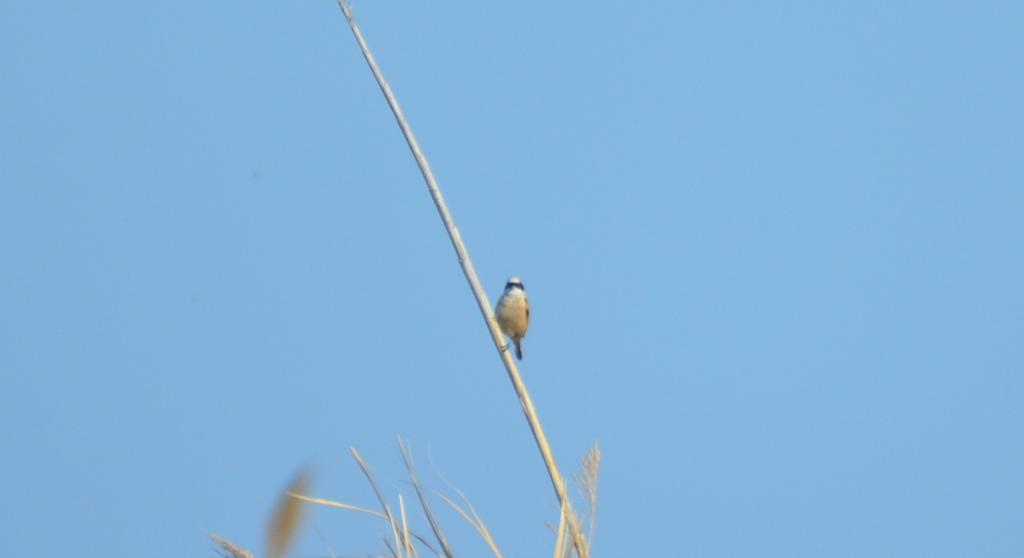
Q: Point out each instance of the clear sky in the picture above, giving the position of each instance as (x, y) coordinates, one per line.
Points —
(774, 254)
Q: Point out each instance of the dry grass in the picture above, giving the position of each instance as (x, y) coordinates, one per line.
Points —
(402, 540)
(586, 484)
(286, 518)
(282, 527)
(405, 542)
(228, 549)
(428, 511)
(475, 521)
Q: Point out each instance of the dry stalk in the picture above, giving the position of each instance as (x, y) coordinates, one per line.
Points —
(336, 504)
(474, 521)
(478, 292)
(396, 532)
(560, 537)
(424, 503)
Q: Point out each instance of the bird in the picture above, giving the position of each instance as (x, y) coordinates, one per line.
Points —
(513, 313)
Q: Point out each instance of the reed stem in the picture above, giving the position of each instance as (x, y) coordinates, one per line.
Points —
(478, 292)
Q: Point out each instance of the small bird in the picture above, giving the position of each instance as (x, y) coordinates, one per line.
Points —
(513, 313)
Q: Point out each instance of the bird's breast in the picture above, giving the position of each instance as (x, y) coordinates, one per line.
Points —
(511, 315)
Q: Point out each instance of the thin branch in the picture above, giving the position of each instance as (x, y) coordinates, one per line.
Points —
(474, 284)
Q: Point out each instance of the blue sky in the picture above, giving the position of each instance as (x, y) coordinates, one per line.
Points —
(773, 254)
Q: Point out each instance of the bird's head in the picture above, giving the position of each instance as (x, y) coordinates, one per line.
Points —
(514, 283)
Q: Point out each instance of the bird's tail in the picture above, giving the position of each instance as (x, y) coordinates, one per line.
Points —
(519, 350)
